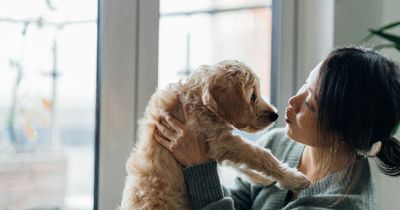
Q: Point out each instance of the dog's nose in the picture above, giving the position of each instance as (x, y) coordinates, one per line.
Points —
(273, 116)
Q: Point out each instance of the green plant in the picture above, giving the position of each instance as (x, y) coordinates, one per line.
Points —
(394, 39)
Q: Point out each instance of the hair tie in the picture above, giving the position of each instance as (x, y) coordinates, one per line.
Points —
(375, 149)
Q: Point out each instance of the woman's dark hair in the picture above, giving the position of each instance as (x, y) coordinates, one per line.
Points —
(359, 102)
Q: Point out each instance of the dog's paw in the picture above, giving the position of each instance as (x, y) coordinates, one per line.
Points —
(293, 180)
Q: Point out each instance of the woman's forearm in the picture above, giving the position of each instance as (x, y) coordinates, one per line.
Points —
(203, 184)
(206, 192)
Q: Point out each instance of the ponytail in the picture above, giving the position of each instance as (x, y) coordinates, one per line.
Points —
(389, 157)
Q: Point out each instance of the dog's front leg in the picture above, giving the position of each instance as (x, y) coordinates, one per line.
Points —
(254, 176)
(235, 149)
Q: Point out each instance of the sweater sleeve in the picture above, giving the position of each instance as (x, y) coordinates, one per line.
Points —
(206, 193)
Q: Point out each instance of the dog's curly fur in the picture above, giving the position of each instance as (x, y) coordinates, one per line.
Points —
(220, 97)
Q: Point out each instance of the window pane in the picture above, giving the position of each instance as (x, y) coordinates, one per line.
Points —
(199, 32)
(47, 103)
(179, 6)
(187, 41)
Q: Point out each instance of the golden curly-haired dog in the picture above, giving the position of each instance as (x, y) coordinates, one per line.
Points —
(220, 97)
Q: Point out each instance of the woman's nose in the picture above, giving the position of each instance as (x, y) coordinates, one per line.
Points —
(293, 102)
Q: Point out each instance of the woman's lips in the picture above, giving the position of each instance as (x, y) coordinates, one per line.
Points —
(286, 115)
(287, 120)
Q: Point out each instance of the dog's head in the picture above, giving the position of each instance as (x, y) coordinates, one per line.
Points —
(232, 91)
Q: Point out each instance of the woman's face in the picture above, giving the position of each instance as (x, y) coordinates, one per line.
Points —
(301, 113)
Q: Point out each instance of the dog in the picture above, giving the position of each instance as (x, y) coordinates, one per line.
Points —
(220, 97)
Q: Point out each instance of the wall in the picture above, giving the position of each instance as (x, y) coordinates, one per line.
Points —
(391, 14)
(315, 35)
(353, 18)
(302, 34)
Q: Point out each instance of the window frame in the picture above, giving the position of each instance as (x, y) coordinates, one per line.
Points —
(283, 53)
(299, 42)
(127, 64)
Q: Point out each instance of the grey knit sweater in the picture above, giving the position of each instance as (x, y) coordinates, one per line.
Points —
(206, 192)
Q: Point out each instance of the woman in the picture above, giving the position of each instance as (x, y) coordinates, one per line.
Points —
(347, 110)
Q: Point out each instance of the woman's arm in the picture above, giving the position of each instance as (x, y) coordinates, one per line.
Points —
(206, 192)
(204, 188)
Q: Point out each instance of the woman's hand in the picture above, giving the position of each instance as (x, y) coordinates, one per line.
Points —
(182, 141)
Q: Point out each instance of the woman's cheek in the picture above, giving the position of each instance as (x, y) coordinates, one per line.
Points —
(305, 124)
(301, 121)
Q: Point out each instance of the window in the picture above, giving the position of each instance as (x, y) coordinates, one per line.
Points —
(196, 32)
(47, 103)
(205, 32)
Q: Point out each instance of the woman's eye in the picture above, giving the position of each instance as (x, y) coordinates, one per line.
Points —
(253, 97)
(308, 105)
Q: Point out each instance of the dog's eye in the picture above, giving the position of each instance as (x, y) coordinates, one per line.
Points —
(253, 97)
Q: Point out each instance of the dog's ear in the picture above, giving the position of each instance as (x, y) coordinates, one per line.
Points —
(223, 94)
(210, 102)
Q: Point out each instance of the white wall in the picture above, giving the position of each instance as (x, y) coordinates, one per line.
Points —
(352, 20)
(315, 35)
(391, 14)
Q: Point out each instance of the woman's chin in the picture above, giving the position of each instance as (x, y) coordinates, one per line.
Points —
(288, 131)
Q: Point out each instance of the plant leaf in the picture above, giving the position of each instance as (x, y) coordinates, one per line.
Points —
(365, 39)
(391, 37)
(390, 25)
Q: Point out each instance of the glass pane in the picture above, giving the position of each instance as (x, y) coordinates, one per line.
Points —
(199, 32)
(47, 103)
(179, 6)
(187, 41)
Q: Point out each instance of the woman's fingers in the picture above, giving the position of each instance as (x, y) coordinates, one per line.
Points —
(166, 132)
(162, 141)
(185, 108)
(176, 124)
